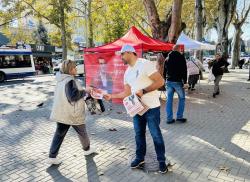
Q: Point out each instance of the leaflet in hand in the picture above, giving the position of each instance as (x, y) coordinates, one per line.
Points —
(98, 93)
(134, 106)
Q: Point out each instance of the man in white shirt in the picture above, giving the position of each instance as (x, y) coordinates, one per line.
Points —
(142, 78)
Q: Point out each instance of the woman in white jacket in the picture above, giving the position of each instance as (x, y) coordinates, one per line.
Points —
(193, 66)
(68, 110)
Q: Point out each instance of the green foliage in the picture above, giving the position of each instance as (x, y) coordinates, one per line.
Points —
(111, 19)
(41, 34)
(19, 34)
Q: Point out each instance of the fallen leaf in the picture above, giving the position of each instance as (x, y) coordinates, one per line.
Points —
(112, 129)
(75, 155)
(224, 169)
(40, 105)
(100, 173)
(122, 148)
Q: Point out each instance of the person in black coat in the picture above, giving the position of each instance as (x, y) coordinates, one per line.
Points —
(176, 76)
(218, 65)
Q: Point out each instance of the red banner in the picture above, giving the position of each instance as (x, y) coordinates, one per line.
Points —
(105, 71)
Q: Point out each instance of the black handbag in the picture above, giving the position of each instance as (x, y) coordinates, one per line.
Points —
(95, 106)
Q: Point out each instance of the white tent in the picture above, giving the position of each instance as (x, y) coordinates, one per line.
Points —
(191, 44)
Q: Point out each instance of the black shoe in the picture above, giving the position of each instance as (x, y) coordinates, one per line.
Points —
(183, 120)
(171, 121)
(214, 95)
(217, 93)
(137, 164)
(163, 168)
(192, 89)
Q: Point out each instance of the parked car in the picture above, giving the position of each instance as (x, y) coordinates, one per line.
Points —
(79, 65)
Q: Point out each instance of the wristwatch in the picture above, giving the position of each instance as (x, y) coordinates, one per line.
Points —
(144, 91)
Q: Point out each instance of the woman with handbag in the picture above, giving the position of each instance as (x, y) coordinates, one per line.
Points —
(68, 110)
(194, 67)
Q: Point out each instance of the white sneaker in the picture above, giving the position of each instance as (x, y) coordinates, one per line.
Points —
(90, 151)
(53, 161)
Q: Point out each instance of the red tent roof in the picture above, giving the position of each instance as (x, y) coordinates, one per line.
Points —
(135, 38)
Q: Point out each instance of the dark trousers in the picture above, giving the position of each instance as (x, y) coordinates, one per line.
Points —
(216, 84)
(152, 118)
(61, 131)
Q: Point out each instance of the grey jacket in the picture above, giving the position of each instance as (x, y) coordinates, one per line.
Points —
(68, 106)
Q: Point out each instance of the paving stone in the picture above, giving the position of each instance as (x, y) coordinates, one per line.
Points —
(214, 136)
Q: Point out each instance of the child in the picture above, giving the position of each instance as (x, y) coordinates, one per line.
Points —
(68, 110)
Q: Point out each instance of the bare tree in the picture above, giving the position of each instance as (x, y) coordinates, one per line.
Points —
(237, 23)
(226, 9)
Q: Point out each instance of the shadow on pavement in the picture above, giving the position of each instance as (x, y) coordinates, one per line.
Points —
(92, 170)
(56, 174)
(18, 81)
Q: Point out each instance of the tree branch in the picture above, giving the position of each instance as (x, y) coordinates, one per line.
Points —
(169, 12)
(78, 9)
(243, 9)
(5, 23)
(141, 27)
(43, 16)
(245, 16)
(83, 2)
(143, 19)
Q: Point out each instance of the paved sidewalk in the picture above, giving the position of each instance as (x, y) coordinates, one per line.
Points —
(214, 145)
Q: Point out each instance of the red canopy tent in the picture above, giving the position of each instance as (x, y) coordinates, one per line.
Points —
(135, 38)
(104, 68)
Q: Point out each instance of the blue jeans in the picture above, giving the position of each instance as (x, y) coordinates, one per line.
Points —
(152, 118)
(178, 88)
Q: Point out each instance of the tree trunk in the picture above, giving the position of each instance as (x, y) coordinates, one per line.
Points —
(160, 28)
(226, 11)
(63, 30)
(90, 23)
(236, 46)
(174, 30)
(154, 19)
(199, 25)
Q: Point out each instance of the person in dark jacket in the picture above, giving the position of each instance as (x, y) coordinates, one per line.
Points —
(176, 76)
(241, 62)
(218, 66)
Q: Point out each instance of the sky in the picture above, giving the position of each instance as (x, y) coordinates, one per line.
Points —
(245, 35)
(245, 27)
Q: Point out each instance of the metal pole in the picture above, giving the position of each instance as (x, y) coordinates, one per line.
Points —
(249, 72)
